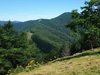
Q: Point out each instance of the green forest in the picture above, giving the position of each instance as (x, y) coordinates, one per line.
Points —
(44, 40)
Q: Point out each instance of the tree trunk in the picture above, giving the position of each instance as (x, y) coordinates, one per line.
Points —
(91, 46)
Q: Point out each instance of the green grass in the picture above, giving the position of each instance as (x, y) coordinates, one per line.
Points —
(29, 34)
(85, 63)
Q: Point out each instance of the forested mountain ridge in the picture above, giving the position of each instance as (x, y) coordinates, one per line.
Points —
(54, 22)
(52, 30)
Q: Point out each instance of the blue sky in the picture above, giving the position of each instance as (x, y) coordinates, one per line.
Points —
(23, 10)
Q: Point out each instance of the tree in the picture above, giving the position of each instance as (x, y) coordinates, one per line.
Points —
(86, 25)
(12, 48)
(64, 50)
(15, 49)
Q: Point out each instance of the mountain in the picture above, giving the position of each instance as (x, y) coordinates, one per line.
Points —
(55, 22)
(48, 33)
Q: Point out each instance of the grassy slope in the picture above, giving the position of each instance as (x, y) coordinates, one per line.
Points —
(85, 63)
(29, 34)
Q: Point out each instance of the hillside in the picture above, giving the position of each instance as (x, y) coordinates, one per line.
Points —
(52, 31)
(85, 63)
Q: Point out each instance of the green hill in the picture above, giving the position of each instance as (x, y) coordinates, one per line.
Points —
(51, 31)
(85, 63)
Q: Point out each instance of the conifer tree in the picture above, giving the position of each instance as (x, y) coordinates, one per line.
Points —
(86, 25)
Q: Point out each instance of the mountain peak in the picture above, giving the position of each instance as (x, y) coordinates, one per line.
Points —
(65, 15)
(67, 12)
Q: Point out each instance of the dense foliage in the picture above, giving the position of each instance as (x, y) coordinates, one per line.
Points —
(14, 48)
(86, 26)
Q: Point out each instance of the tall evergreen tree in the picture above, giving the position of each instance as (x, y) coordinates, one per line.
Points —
(12, 47)
(15, 49)
(87, 25)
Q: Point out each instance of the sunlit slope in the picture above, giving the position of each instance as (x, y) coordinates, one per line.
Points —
(85, 63)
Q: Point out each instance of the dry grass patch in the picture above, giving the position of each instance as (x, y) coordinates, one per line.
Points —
(29, 34)
(87, 65)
